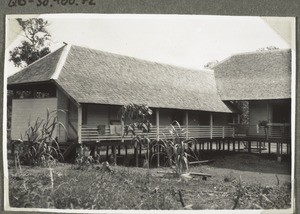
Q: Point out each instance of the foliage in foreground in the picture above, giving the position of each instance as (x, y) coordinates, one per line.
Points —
(177, 148)
(95, 189)
(127, 188)
(38, 146)
(136, 117)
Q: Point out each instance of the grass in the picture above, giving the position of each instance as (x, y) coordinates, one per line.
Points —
(63, 187)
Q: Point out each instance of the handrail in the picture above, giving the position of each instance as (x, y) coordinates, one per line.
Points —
(89, 132)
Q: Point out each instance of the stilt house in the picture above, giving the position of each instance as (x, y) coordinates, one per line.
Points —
(93, 85)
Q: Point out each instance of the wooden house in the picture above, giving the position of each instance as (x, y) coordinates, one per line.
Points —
(262, 78)
(92, 86)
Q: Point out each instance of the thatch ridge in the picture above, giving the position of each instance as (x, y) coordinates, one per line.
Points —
(92, 76)
(255, 76)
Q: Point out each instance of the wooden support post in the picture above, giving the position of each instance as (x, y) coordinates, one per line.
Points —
(119, 150)
(93, 151)
(148, 154)
(79, 123)
(269, 147)
(107, 149)
(187, 124)
(233, 128)
(239, 146)
(114, 152)
(136, 156)
(259, 147)
(211, 125)
(140, 150)
(228, 143)
(122, 130)
(98, 153)
(157, 136)
(223, 132)
(249, 146)
(233, 148)
(126, 151)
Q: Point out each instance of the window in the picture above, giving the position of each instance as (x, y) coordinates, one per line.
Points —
(35, 91)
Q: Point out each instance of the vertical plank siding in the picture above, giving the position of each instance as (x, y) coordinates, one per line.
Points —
(28, 110)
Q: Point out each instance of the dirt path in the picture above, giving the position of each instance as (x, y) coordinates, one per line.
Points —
(252, 169)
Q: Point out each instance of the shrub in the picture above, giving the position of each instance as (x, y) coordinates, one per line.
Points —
(137, 117)
(84, 158)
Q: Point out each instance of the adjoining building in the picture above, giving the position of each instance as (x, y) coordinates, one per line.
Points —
(263, 79)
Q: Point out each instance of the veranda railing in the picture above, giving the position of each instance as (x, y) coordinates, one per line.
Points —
(93, 132)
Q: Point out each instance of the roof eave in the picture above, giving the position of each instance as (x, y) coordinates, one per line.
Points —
(15, 85)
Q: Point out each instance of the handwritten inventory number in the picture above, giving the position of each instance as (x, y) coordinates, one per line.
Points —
(15, 3)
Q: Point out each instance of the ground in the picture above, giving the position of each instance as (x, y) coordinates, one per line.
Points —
(239, 181)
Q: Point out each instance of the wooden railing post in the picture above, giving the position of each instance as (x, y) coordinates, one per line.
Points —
(79, 123)
(157, 136)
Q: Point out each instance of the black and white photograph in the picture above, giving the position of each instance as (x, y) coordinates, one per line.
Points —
(148, 113)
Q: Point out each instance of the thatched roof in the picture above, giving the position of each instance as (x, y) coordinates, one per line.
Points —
(39, 71)
(92, 76)
(255, 76)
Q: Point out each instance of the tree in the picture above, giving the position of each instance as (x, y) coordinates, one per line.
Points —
(211, 64)
(35, 44)
(269, 48)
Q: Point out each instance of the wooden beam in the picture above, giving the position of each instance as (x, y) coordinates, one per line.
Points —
(223, 131)
(238, 118)
(191, 173)
(157, 124)
(79, 123)
(187, 123)
(211, 125)
(233, 127)
(122, 130)
(200, 162)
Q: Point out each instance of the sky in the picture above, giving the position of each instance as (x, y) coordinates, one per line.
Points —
(189, 41)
